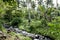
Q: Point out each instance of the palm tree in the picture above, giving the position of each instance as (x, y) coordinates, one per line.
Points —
(45, 13)
(49, 2)
(40, 2)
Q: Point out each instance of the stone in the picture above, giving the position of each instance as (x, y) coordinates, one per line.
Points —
(2, 35)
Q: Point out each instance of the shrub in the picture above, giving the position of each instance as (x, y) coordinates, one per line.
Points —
(16, 21)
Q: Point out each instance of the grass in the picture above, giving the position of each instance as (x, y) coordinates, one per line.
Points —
(20, 36)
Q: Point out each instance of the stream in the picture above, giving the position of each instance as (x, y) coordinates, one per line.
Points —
(24, 33)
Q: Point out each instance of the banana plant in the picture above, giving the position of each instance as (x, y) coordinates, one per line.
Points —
(42, 11)
(46, 13)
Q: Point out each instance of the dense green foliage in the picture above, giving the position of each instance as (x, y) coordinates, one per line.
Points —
(47, 22)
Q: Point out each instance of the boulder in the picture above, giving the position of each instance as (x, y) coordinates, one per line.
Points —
(2, 35)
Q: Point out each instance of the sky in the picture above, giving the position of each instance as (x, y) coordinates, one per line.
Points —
(54, 2)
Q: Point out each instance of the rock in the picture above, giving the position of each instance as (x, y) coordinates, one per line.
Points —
(48, 38)
(6, 25)
(2, 35)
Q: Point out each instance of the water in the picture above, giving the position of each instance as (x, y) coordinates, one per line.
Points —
(33, 36)
(36, 39)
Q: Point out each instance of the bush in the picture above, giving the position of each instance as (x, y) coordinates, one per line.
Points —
(0, 26)
(7, 16)
(16, 21)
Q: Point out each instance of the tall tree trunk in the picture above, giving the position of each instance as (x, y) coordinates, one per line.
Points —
(29, 9)
(56, 4)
